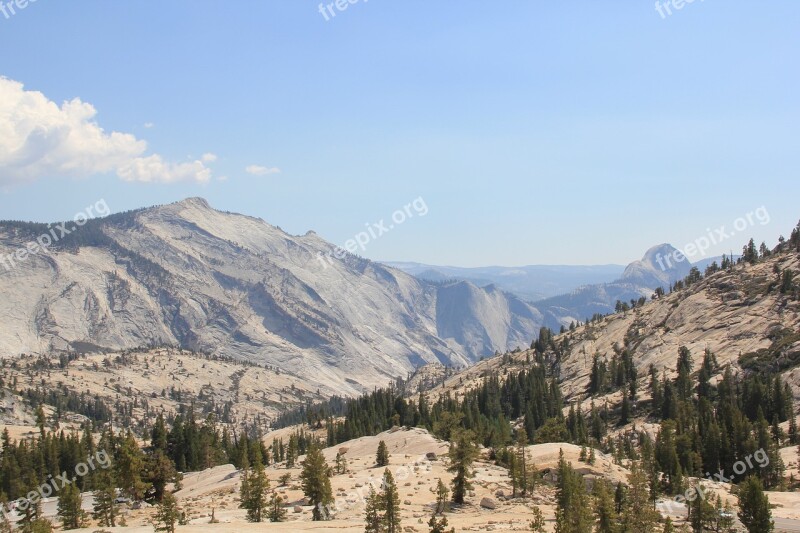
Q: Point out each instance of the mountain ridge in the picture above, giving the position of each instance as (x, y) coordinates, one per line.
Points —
(186, 275)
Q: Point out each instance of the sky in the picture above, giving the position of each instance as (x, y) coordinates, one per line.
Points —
(532, 132)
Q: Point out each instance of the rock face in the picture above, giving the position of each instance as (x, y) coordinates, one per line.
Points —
(186, 275)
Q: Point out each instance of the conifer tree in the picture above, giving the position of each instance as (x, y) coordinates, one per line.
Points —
(391, 504)
(463, 453)
(382, 456)
(573, 513)
(754, 511)
(523, 471)
(702, 514)
(374, 512)
(316, 483)
(277, 512)
(604, 508)
(160, 472)
(244, 484)
(442, 493)
(167, 514)
(69, 507)
(438, 524)
(638, 513)
(255, 498)
(105, 509)
(130, 465)
(538, 522)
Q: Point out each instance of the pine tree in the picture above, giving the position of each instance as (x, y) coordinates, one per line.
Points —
(316, 483)
(130, 465)
(69, 507)
(374, 513)
(754, 511)
(438, 524)
(463, 453)
(255, 498)
(292, 452)
(573, 513)
(523, 470)
(638, 514)
(160, 472)
(167, 514)
(604, 508)
(793, 435)
(391, 504)
(382, 456)
(668, 527)
(105, 509)
(538, 523)
(277, 512)
(702, 514)
(723, 516)
(442, 493)
(41, 420)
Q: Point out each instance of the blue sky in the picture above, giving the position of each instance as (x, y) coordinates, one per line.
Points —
(536, 132)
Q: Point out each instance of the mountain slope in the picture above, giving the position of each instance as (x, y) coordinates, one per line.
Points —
(186, 275)
(739, 314)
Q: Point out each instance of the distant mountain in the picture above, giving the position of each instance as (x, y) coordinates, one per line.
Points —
(187, 275)
(658, 268)
(575, 293)
(530, 283)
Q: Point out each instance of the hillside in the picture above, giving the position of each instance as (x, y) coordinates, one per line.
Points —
(732, 313)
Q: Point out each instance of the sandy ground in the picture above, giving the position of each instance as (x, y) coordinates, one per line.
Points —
(416, 478)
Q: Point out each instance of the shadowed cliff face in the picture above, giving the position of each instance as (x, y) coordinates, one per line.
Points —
(184, 274)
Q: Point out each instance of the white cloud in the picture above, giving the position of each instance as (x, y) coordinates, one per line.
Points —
(154, 169)
(39, 138)
(148, 125)
(258, 170)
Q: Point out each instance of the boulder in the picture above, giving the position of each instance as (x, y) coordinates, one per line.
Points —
(488, 503)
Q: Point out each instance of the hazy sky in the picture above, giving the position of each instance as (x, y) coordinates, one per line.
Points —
(575, 132)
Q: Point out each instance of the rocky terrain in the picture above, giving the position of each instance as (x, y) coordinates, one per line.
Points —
(189, 276)
(732, 313)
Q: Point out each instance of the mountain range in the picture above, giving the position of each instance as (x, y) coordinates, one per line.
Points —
(189, 276)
